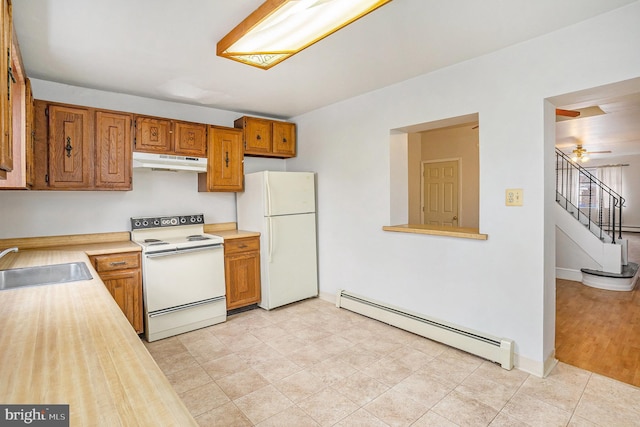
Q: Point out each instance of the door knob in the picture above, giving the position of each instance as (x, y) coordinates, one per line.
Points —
(455, 218)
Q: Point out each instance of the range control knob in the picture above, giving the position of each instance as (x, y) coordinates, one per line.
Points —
(137, 223)
(174, 221)
(200, 219)
(156, 222)
(183, 220)
(145, 223)
(192, 219)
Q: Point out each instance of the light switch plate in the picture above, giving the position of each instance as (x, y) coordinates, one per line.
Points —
(513, 197)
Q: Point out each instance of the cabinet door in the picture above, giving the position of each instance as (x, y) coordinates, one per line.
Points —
(284, 139)
(30, 136)
(113, 151)
(6, 137)
(153, 135)
(257, 136)
(242, 279)
(69, 147)
(190, 139)
(225, 168)
(124, 286)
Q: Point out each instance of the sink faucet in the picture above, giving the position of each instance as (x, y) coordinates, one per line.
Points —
(6, 251)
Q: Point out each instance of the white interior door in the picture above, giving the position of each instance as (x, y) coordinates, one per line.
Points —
(289, 262)
(440, 193)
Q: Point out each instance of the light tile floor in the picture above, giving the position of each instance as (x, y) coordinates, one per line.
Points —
(312, 364)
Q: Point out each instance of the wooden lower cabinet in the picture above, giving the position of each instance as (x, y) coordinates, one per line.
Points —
(242, 271)
(122, 276)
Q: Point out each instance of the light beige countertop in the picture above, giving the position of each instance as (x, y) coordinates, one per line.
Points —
(235, 234)
(71, 344)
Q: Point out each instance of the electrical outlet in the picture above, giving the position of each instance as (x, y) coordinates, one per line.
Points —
(513, 197)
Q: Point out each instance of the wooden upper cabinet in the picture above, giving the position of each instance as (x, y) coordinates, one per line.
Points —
(81, 148)
(164, 136)
(30, 134)
(70, 151)
(225, 166)
(113, 150)
(6, 125)
(284, 139)
(267, 138)
(21, 175)
(153, 135)
(190, 139)
(257, 135)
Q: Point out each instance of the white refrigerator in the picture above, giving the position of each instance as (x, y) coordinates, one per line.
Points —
(282, 207)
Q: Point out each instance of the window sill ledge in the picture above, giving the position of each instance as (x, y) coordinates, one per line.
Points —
(434, 230)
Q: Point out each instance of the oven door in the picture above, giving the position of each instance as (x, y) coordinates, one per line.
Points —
(182, 277)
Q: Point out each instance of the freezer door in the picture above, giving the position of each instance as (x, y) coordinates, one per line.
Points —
(289, 264)
(289, 193)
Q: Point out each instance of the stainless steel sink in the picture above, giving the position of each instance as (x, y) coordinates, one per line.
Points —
(44, 275)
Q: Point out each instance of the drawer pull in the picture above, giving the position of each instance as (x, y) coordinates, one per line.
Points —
(117, 263)
(242, 246)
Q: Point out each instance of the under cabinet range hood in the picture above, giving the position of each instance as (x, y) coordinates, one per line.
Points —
(168, 162)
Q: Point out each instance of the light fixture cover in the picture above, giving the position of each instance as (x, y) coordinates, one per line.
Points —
(279, 29)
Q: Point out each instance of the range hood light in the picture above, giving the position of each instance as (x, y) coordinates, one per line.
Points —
(166, 162)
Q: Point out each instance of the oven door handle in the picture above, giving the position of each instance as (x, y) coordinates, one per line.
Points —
(186, 250)
(186, 306)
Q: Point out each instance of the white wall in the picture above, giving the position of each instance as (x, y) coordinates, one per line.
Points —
(46, 213)
(505, 285)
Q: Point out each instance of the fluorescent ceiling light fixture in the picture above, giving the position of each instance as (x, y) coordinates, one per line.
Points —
(279, 29)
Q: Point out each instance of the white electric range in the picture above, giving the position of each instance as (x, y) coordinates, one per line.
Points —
(182, 274)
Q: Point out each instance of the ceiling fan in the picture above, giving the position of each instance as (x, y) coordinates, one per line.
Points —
(582, 155)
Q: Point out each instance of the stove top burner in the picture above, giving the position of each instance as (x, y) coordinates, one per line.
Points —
(153, 242)
(197, 237)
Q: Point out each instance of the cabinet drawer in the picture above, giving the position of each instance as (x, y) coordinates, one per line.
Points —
(249, 244)
(113, 262)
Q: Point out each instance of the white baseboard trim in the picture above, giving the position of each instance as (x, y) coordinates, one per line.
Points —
(568, 274)
(325, 296)
(533, 367)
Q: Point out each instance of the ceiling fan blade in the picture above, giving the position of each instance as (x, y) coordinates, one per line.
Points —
(599, 152)
(567, 113)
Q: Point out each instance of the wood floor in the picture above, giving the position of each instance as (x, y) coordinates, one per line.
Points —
(599, 330)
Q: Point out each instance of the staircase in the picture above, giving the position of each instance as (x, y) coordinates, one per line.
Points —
(589, 220)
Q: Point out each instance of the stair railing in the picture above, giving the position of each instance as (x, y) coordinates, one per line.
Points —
(588, 198)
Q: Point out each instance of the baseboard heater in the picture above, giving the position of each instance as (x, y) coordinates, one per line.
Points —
(491, 348)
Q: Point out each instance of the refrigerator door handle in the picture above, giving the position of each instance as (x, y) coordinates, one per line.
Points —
(268, 191)
(270, 238)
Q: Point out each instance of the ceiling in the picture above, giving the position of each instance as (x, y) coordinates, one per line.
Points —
(609, 121)
(165, 49)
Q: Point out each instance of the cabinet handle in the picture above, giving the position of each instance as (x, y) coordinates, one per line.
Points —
(226, 158)
(68, 147)
(117, 263)
(10, 76)
(284, 139)
(258, 137)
